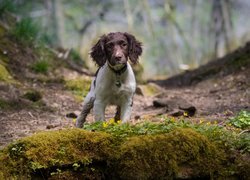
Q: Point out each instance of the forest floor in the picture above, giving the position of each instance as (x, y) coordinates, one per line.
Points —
(217, 97)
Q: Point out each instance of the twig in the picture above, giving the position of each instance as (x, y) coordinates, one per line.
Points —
(244, 131)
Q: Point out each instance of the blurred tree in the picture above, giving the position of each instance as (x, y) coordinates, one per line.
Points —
(176, 34)
(59, 20)
(221, 25)
(149, 17)
(129, 15)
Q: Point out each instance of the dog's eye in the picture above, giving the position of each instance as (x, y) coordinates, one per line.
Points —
(124, 44)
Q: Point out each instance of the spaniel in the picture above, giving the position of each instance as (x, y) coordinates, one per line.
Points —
(114, 82)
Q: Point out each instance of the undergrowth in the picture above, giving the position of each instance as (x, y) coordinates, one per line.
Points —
(75, 56)
(223, 135)
(6, 6)
(242, 120)
(26, 31)
(170, 149)
(41, 66)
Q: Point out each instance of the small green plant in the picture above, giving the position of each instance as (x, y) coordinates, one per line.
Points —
(6, 6)
(41, 66)
(75, 56)
(214, 132)
(33, 95)
(242, 120)
(3, 104)
(25, 30)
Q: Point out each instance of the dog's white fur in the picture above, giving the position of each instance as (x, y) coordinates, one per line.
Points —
(105, 92)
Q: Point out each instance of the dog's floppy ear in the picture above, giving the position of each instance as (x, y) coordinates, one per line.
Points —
(134, 49)
(98, 51)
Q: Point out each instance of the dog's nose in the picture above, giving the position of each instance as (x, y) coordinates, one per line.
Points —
(118, 55)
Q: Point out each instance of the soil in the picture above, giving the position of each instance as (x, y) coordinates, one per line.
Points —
(215, 98)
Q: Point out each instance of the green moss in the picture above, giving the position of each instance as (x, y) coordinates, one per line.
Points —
(79, 154)
(162, 156)
(5, 75)
(43, 151)
(150, 89)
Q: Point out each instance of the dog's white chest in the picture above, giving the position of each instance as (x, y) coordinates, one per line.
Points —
(112, 88)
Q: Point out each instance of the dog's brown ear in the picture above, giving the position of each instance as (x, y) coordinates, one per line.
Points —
(134, 49)
(98, 51)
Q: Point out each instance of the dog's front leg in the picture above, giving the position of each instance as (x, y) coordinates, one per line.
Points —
(126, 109)
(99, 110)
(87, 106)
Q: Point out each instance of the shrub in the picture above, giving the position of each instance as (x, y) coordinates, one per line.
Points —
(75, 56)
(41, 66)
(26, 31)
(6, 6)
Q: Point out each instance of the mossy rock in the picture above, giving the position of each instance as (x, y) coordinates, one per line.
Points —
(149, 89)
(163, 156)
(44, 154)
(80, 154)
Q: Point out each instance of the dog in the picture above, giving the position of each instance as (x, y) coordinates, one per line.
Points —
(114, 82)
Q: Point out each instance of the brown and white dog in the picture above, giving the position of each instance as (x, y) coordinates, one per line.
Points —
(114, 83)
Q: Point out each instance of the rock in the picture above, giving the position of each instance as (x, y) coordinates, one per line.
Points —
(176, 106)
(137, 117)
(160, 103)
(138, 91)
(176, 113)
(190, 110)
(149, 89)
(71, 115)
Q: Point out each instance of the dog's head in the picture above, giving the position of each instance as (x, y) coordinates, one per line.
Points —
(116, 48)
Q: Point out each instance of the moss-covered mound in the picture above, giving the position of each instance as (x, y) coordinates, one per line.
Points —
(80, 154)
(48, 153)
(167, 155)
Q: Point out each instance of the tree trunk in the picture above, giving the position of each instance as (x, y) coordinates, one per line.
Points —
(149, 17)
(59, 22)
(128, 15)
